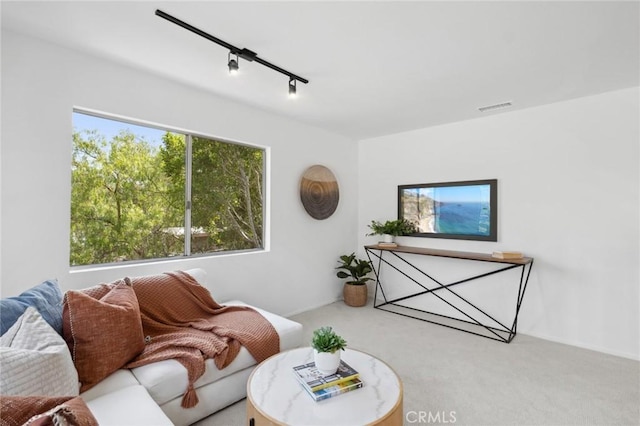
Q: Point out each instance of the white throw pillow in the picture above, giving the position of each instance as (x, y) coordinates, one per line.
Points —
(36, 360)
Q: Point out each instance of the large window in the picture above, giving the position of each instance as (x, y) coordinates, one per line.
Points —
(139, 192)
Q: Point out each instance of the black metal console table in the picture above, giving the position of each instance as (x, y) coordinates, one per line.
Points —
(471, 323)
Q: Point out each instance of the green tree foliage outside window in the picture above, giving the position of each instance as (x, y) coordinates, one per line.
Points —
(128, 196)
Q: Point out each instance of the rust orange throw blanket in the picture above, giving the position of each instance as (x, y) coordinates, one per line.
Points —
(186, 324)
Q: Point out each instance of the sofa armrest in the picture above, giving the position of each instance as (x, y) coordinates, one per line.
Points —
(199, 274)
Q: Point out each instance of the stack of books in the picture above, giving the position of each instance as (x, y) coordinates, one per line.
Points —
(507, 255)
(320, 386)
(388, 245)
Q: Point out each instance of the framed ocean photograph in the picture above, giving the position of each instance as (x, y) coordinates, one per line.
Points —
(466, 210)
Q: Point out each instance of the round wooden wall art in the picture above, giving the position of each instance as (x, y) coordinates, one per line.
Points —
(319, 192)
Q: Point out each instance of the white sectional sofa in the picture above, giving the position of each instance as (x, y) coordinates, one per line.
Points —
(152, 394)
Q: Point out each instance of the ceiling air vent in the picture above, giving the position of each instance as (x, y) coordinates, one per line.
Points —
(496, 106)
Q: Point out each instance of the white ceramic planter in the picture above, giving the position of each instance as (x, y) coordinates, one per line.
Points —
(387, 238)
(326, 362)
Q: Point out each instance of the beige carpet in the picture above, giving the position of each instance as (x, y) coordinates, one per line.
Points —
(458, 378)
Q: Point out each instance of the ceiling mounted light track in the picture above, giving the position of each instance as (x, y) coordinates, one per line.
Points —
(243, 53)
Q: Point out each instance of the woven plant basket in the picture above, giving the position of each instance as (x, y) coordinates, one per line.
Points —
(354, 295)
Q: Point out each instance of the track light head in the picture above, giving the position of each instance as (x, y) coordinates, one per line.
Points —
(292, 88)
(233, 65)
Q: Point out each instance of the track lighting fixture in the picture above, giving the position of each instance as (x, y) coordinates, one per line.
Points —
(292, 88)
(243, 53)
(233, 65)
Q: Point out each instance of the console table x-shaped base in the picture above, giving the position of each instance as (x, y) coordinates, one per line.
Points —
(470, 314)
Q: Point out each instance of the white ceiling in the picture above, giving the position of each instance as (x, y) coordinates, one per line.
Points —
(375, 68)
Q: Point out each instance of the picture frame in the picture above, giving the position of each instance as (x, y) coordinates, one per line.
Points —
(463, 210)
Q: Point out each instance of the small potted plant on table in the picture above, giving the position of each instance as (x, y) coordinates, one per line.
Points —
(326, 349)
(356, 270)
(391, 229)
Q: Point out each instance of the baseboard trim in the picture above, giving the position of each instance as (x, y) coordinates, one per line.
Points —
(311, 308)
(631, 356)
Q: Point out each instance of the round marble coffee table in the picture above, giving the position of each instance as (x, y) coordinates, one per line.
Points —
(275, 397)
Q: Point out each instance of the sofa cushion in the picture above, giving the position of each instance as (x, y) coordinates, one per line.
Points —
(45, 297)
(130, 405)
(115, 381)
(103, 334)
(35, 359)
(166, 380)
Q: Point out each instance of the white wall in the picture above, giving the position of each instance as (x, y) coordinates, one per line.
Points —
(568, 188)
(568, 183)
(41, 83)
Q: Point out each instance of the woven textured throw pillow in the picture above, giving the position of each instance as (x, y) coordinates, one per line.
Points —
(103, 334)
(41, 410)
(35, 359)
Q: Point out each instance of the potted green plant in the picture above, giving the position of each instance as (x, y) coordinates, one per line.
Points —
(327, 345)
(356, 271)
(391, 229)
